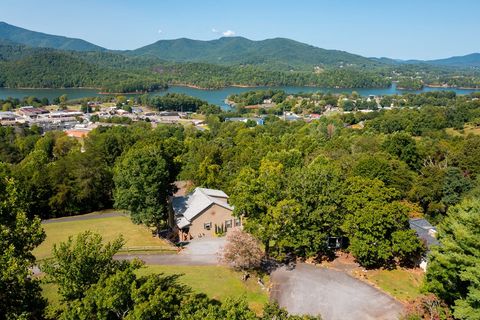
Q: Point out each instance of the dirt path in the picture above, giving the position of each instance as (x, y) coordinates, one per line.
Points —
(171, 259)
(333, 294)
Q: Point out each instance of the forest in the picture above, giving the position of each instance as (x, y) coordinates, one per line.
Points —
(25, 67)
(297, 183)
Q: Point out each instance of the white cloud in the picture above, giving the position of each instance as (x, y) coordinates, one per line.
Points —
(214, 30)
(160, 31)
(228, 33)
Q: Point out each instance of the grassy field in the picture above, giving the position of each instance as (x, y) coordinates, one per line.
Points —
(403, 284)
(49, 292)
(468, 129)
(217, 282)
(137, 237)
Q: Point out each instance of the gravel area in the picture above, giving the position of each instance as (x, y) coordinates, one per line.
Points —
(333, 294)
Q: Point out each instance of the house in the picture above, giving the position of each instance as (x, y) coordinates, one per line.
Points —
(121, 112)
(7, 116)
(31, 112)
(258, 121)
(290, 116)
(169, 117)
(202, 213)
(65, 115)
(137, 110)
(427, 233)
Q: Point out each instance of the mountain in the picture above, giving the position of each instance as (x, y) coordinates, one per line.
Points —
(32, 59)
(22, 66)
(469, 60)
(10, 33)
(273, 54)
(48, 69)
(279, 53)
(26, 67)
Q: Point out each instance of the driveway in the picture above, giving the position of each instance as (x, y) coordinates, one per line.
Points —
(204, 246)
(332, 294)
(197, 252)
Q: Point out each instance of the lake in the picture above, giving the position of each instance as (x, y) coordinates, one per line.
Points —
(213, 96)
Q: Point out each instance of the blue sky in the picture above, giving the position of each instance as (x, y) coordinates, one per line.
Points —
(421, 29)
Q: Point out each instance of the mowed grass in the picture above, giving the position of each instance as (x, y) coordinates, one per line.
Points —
(403, 284)
(217, 282)
(137, 237)
(50, 292)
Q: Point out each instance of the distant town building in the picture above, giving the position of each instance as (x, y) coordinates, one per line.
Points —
(137, 110)
(31, 112)
(258, 121)
(7, 116)
(77, 132)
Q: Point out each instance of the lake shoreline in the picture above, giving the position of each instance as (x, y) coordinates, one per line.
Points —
(61, 88)
(190, 86)
(212, 96)
(451, 87)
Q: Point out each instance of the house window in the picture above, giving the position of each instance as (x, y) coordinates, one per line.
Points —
(238, 222)
(207, 226)
(228, 223)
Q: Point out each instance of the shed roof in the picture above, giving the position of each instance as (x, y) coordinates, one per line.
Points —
(424, 230)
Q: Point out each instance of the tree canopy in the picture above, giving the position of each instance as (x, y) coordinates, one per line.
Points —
(453, 272)
(20, 293)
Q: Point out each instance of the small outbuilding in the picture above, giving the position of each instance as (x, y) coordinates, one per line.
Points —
(428, 234)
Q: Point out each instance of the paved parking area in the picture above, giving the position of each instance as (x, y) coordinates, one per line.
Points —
(204, 246)
(332, 294)
(197, 252)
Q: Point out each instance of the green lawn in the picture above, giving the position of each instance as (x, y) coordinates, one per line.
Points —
(403, 284)
(217, 282)
(137, 237)
(49, 292)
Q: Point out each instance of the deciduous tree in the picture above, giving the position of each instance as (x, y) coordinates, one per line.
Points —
(78, 264)
(242, 251)
(142, 184)
(20, 293)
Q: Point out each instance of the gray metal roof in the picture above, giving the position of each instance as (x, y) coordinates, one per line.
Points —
(213, 192)
(424, 230)
(187, 207)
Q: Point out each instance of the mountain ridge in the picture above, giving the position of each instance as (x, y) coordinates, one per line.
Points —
(275, 53)
(282, 52)
(44, 40)
(471, 60)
